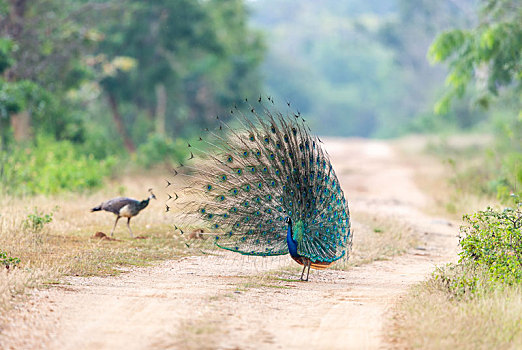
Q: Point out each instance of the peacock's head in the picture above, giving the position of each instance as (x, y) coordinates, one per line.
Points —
(288, 221)
(151, 194)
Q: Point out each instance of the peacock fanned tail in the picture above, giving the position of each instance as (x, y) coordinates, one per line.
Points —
(242, 182)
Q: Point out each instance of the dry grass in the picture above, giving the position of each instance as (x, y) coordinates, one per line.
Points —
(440, 165)
(428, 318)
(378, 238)
(66, 245)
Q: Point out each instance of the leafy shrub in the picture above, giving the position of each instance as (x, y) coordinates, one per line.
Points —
(37, 220)
(493, 239)
(462, 280)
(51, 167)
(8, 261)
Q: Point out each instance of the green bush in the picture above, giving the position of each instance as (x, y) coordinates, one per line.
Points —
(37, 220)
(51, 167)
(8, 261)
(493, 239)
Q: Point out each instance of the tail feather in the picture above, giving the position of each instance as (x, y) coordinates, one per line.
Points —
(243, 182)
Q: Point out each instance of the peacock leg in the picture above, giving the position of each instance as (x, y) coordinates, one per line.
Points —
(308, 273)
(112, 232)
(303, 260)
(128, 225)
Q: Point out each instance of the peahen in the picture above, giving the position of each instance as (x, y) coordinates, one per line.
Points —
(124, 207)
(264, 187)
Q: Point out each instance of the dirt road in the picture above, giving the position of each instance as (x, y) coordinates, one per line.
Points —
(208, 302)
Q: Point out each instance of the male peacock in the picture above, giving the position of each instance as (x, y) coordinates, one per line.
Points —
(265, 188)
(124, 207)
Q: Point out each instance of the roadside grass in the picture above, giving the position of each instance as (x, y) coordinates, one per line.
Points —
(449, 186)
(377, 237)
(431, 317)
(434, 315)
(66, 246)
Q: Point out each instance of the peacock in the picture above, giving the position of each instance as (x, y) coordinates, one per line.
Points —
(124, 207)
(262, 185)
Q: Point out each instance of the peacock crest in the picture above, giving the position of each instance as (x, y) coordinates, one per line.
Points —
(248, 177)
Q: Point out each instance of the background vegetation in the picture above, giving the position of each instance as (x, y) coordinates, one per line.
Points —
(117, 82)
(86, 84)
(91, 87)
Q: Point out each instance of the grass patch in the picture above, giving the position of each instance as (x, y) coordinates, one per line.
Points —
(432, 316)
(450, 171)
(377, 237)
(53, 237)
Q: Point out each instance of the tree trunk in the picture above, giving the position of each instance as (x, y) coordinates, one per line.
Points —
(21, 124)
(161, 108)
(120, 125)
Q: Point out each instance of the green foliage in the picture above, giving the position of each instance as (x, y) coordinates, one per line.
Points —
(203, 54)
(159, 149)
(490, 53)
(6, 59)
(462, 280)
(51, 167)
(8, 261)
(37, 220)
(493, 239)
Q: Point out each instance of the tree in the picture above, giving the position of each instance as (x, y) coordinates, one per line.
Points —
(490, 56)
(47, 41)
(489, 53)
(193, 60)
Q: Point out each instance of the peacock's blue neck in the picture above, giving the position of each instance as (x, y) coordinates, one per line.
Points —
(292, 245)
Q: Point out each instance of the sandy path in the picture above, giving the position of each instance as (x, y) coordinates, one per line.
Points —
(208, 302)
